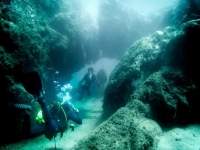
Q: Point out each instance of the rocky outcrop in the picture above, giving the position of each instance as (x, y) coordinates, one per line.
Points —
(150, 88)
(126, 129)
(139, 61)
(169, 92)
(28, 43)
(184, 11)
(173, 48)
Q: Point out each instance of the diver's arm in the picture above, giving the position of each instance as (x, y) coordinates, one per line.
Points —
(50, 124)
(75, 117)
(72, 113)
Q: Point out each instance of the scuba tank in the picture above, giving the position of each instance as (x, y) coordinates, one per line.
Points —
(57, 112)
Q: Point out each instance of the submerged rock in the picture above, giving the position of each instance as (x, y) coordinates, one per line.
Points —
(154, 85)
(139, 61)
(124, 130)
(173, 48)
(168, 93)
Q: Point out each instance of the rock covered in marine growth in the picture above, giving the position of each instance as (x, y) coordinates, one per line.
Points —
(139, 61)
(126, 129)
(143, 64)
(168, 92)
(129, 127)
(154, 83)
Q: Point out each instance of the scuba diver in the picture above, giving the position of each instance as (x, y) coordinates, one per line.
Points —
(85, 84)
(51, 119)
(54, 118)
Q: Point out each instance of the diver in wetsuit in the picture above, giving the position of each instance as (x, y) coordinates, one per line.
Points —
(88, 80)
(55, 118)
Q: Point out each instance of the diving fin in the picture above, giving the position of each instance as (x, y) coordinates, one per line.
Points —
(32, 83)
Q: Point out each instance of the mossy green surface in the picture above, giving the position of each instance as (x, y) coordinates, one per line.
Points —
(126, 129)
(139, 61)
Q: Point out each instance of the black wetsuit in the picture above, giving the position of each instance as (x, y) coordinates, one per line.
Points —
(89, 80)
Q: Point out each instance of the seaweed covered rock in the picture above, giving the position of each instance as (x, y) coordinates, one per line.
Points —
(170, 96)
(144, 134)
(28, 44)
(126, 129)
(22, 40)
(158, 79)
(173, 48)
(64, 24)
(139, 61)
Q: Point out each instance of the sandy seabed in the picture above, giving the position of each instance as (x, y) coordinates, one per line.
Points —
(184, 138)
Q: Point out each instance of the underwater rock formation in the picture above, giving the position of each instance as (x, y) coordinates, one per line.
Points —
(28, 43)
(173, 48)
(139, 61)
(156, 81)
(185, 11)
(168, 93)
(155, 85)
(126, 129)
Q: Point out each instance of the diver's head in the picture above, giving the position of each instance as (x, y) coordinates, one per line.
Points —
(90, 70)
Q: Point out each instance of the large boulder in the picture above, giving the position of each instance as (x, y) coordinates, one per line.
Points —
(139, 61)
(171, 97)
(154, 85)
(126, 129)
(173, 48)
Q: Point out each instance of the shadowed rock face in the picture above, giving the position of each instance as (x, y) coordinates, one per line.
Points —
(174, 48)
(164, 92)
(185, 11)
(29, 43)
(182, 49)
(169, 92)
(139, 61)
